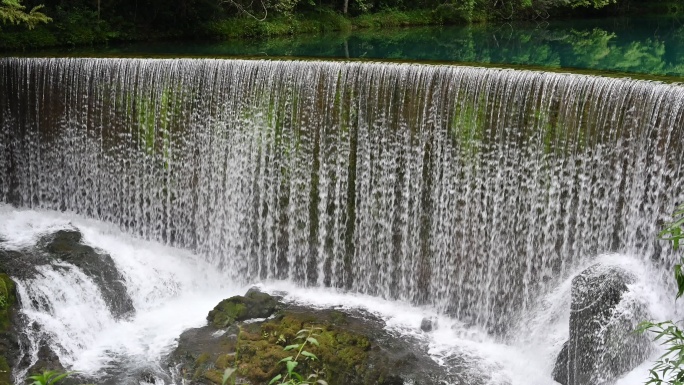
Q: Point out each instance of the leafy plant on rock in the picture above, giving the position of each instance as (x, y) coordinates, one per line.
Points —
(49, 377)
(669, 368)
(306, 336)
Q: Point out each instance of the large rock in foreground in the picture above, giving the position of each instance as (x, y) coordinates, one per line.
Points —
(57, 249)
(602, 344)
(68, 246)
(355, 348)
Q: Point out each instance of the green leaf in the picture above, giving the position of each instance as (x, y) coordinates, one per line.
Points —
(644, 326)
(49, 377)
(60, 377)
(290, 366)
(290, 347)
(226, 375)
(286, 359)
(679, 277)
(313, 341)
(309, 355)
(297, 377)
(274, 379)
(322, 382)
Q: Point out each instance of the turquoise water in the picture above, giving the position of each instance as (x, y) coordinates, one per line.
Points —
(653, 46)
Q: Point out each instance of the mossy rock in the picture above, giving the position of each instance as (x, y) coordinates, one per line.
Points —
(354, 348)
(254, 304)
(260, 347)
(8, 300)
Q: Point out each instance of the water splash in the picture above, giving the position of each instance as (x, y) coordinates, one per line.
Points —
(171, 289)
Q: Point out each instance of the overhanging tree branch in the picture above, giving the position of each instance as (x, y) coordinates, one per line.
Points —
(244, 10)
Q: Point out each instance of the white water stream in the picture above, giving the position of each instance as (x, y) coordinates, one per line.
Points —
(173, 289)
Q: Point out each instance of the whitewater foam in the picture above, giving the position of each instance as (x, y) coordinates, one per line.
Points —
(173, 289)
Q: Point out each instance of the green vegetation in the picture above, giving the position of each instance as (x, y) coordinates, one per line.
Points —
(669, 368)
(81, 22)
(253, 305)
(49, 377)
(230, 374)
(12, 12)
(7, 302)
(304, 336)
(261, 351)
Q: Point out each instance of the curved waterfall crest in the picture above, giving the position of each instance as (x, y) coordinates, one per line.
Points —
(468, 189)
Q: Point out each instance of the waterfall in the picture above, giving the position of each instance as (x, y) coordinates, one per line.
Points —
(63, 306)
(466, 189)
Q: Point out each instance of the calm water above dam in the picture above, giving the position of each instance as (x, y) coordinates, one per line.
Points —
(652, 46)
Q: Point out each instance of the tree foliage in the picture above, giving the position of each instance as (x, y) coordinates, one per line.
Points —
(83, 22)
(13, 12)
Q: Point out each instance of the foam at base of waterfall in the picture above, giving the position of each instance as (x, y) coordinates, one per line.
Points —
(526, 358)
(172, 290)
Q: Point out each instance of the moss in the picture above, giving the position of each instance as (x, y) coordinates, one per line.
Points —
(201, 364)
(226, 313)
(342, 350)
(5, 372)
(261, 348)
(214, 376)
(7, 301)
(338, 318)
(202, 360)
(225, 361)
(253, 305)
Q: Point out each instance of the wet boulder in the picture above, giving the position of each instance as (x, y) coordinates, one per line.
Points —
(47, 359)
(68, 246)
(428, 324)
(603, 316)
(22, 264)
(254, 304)
(354, 347)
